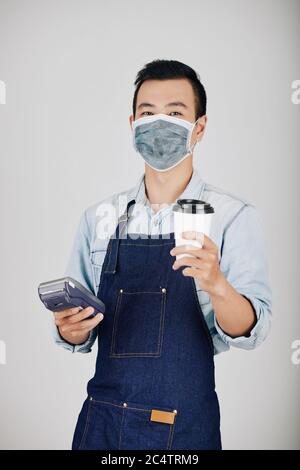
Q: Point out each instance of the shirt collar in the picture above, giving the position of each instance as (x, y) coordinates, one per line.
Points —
(193, 190)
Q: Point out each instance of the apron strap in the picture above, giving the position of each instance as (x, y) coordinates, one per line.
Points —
(113, 245)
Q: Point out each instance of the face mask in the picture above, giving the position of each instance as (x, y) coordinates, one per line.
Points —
(163, 141)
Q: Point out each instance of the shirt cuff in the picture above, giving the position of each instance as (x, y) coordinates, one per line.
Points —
(256, 334)
(83, 348)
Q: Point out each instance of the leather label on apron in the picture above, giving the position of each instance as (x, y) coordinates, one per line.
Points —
(163, 416)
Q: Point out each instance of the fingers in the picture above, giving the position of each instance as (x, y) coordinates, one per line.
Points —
(190, 261)
(191, 272)
(81, 326)
(66, 313)
(183, 249)
(193, 235)
(82, 331)
(76, 317)
(204, 239)
(194, 251)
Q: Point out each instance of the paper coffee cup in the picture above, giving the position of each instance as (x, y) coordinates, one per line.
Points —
(191, 215)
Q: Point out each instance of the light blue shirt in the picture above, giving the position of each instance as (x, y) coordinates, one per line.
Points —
(236, 229)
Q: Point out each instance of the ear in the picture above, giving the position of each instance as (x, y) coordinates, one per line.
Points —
(131, 119)
(200, 127)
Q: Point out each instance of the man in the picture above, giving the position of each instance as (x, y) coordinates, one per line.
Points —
(165, 319)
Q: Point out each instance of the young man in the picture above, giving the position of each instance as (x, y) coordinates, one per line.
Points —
(154, 385)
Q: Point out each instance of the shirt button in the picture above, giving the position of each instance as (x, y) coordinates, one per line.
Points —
(155, 222)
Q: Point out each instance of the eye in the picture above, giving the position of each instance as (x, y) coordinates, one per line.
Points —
(146, 113)
(175, 113)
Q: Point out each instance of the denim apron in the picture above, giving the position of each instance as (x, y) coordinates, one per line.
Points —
(154, 385)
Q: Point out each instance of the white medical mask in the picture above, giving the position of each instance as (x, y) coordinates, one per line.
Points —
(163, 141)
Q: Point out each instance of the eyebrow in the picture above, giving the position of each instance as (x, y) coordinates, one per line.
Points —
(174, 103)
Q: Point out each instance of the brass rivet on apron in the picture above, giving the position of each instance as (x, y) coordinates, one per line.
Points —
(175, 411)
(164, 290)
(124, 404)
(121, 290)
(91, 398)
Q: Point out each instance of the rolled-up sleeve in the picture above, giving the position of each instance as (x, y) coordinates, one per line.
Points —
(245, 265)
(79, 268)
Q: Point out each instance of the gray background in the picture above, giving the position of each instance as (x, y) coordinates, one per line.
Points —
(65, 143)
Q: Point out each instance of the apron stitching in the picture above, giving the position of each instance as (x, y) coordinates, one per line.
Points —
(110, 252)
(143, 292)
(87, 422)
(120, 355)
(107, 403)
(115, 326)
(128, 407)
(121, 427)
(171, 435)
(145, 410)
(162, 322)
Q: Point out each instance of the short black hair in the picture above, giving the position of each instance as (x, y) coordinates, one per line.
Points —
(168, 69)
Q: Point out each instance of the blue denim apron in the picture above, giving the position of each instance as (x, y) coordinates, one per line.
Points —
(154, 385)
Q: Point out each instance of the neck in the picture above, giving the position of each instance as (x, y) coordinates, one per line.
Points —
(163, 188)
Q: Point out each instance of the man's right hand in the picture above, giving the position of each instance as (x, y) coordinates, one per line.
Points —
(73, 325)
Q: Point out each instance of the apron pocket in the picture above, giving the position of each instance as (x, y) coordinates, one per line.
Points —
(139, 432)
(138, 323)
(102, 427)
(111, 425)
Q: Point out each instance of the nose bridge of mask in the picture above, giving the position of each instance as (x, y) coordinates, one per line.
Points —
(164, 117)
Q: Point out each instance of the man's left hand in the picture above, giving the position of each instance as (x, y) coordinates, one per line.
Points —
(203, 266)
